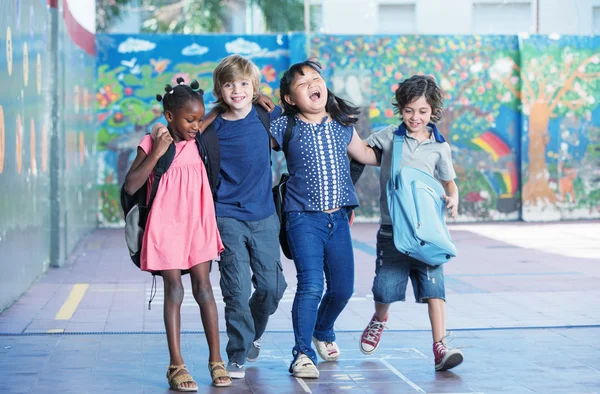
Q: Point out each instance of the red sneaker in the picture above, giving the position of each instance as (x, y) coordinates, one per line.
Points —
(446, 358)
(369, 342)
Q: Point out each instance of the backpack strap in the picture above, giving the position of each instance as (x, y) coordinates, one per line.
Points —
(287, 136)
(208, 148)
(396, 157)
(265, 119)
(163, 164)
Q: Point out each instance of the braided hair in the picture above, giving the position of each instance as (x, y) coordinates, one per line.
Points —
(176, 96)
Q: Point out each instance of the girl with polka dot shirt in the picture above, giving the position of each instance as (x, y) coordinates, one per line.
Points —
(319, 196)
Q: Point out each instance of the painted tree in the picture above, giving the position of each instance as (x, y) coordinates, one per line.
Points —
(461, 64)
(559, 78)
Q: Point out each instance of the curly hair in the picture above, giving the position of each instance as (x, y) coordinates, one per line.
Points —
(176, 96)
(417, 86)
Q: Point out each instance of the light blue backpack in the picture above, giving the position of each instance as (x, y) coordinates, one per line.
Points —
(416, 204)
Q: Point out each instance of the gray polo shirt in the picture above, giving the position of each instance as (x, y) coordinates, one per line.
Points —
(430, 156)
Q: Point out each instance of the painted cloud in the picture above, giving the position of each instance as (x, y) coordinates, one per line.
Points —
(136, 45)
(194, 50)
(242, 47)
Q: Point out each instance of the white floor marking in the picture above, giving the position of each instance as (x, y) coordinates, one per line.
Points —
(397, 373)
(304, 385)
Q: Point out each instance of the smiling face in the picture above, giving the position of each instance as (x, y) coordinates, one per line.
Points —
(185, 122)
(238, 95)
(308, 92)
(417, 114)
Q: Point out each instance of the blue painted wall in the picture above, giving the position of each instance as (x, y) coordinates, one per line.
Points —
(27, 158)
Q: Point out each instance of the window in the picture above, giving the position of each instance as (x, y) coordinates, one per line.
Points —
(502, 18)
(596, 20)
(396, 19)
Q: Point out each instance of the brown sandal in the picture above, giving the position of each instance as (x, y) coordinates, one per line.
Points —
(217, 370)
(176, 381)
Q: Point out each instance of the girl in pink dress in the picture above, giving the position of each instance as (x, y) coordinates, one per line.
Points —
(181, 232)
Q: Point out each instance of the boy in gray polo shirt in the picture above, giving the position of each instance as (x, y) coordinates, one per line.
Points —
(419, 101)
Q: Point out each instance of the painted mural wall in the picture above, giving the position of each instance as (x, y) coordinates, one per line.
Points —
(132, 70)
(26, 157)
(485, 119)
(560, 94)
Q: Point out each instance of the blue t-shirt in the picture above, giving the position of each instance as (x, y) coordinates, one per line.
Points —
(318, 164)
(245, 180)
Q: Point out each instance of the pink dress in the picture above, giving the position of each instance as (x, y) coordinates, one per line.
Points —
(182, 227)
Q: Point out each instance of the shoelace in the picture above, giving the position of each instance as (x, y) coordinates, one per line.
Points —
(237, 365)
(257, 343)
(374, 329)
(445, 342)
(331, 348)
(304, 361)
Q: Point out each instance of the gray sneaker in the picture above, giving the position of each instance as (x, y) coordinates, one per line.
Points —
(254, 351)
(236, 371)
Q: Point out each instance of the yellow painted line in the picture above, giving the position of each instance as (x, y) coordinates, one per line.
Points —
(68, 308)
(55, 330)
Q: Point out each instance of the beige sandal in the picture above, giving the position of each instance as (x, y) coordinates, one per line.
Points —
(176, 381)
(217, 370)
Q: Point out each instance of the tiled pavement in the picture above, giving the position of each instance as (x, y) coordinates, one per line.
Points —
(522, 301)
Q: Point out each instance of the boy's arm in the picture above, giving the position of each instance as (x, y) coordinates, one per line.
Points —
(362, 152)
(210, 117)
(451, 197)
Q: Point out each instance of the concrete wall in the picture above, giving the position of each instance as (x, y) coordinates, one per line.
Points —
(459, 16)
(47, 196)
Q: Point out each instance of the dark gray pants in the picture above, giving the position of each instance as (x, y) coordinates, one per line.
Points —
(251, 258)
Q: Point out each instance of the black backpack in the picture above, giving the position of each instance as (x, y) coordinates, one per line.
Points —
(134, 206)
(280, 189)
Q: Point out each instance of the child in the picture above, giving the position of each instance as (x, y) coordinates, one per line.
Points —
(419, 101)
(181, 232)
(245, 210)
(319, 196)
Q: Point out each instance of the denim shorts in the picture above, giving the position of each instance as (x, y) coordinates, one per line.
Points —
(393, 269)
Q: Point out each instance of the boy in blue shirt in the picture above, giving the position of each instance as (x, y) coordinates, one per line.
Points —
(246, 216)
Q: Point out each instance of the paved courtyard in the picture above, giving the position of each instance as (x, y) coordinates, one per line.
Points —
(521, 305)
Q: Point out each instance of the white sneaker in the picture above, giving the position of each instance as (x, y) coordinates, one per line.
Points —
(328, 351)
(305, 368)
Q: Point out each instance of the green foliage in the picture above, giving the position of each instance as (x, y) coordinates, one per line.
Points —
(566, 77)
(104, 137)
(200, 16)
(282, 15)
(109, 203)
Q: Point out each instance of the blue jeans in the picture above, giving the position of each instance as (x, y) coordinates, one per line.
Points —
(320, 243)
(249, 245)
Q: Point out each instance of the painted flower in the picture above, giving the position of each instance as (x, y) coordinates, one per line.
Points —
(269, 73)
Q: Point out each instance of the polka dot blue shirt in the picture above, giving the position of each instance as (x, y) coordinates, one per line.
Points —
(318, 165)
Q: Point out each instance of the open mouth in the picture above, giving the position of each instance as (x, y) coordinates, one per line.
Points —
(315, 95)
(238, 99)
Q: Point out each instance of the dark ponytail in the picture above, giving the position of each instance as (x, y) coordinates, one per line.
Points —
(340, 110)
